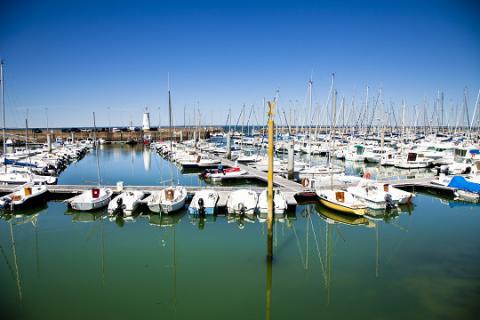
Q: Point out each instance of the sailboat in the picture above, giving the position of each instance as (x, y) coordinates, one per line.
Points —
(13, 177)
(172, 198)
(94, 198)
(336, 199)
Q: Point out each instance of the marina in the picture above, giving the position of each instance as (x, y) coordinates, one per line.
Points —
(315, 249)
(239, 160)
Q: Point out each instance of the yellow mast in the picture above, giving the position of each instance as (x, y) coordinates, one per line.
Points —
(271, 108)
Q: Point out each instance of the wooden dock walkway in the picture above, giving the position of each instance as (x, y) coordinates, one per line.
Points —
(223, 192)
(290, 188)
(278, 181)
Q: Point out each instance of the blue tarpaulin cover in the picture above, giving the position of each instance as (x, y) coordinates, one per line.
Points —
(461, 183)
(19, 163)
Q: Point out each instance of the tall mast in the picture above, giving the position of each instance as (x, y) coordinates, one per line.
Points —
(310, 98)
(332, 128)
(96, 148)
(475, 112)
(170, 114)
(441, 108)
(366, 110)
(26, 135)
(3, 114)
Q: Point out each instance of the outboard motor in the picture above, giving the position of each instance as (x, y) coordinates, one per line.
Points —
(120, 206)
(203, 174)
(443, 169)
(6, 202)
(389, 202)
(201, 207)
(241, 208)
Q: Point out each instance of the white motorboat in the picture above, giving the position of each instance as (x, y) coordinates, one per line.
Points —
(372, 195)
(92, 199)
(167, 200)
(204, 202)
(319, 170)
(357, 155)
(242, 201)
(199, 162)
(22, 178)
(467, 188)
(398, 196)
(23, 196)
(216, 174)
(126, 202)
(413, 161)
(279, 202)
(388, 159)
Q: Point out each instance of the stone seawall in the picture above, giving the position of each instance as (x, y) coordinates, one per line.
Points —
(19, 135)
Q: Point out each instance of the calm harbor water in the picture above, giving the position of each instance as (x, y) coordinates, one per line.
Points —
(58, 264)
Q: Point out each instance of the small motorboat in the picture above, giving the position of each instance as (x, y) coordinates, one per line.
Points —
(25, 195)
(22, 178)
(398, 196)
(93, 199)
(167, 200)
(342, 201)
(279, 202)
(372, 195)
(203, 202)
(220, 173)
(413, 161)
(242, 201)
(126, 202)
(466, 188)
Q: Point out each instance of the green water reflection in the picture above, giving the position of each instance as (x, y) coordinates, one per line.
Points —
(422, 263)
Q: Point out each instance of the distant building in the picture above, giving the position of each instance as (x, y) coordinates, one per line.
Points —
(146, 120)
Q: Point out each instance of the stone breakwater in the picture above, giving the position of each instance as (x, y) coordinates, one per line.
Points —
(40, 135)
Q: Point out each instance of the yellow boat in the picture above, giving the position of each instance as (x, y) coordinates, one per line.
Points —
(341, 201)
(332, 216)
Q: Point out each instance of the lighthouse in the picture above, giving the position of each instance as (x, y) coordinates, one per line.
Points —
(146, 120)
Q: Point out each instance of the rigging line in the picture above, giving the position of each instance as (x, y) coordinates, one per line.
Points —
(7, 262)
(103, 252)
(340, 234)
(402, 239)
(318, 249)
(298, 244)
(14, 252)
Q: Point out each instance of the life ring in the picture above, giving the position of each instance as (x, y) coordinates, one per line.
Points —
(367, 175)
(305, 182)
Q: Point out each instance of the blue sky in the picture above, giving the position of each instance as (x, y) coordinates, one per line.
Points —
(76, 57)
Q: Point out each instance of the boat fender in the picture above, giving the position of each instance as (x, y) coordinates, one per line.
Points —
(368, 175)
(305, 182)
(169, 194)
(95, 193)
